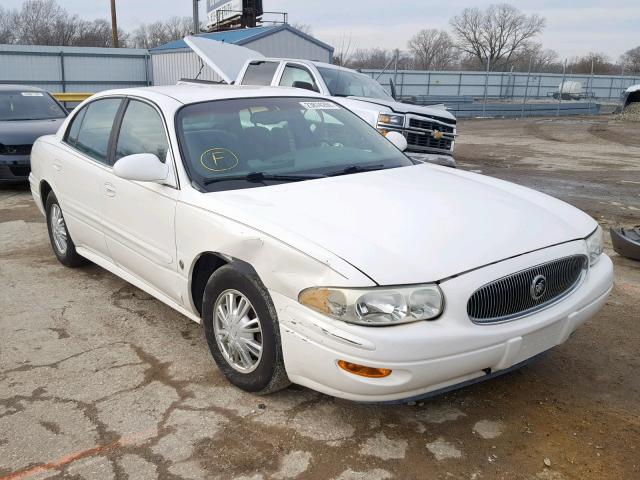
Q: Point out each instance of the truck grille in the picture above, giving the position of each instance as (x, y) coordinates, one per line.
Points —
(427, 141)
(420, 135)
(428, 125)
(524, 292)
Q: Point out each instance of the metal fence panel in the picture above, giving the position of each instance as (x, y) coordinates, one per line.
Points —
(500, 84)
(74, 69)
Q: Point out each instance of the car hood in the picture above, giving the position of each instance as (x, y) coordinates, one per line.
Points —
(398, 107)
(412, 224)
(25, 132)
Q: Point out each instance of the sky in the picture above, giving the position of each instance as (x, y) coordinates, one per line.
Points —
(574, 27)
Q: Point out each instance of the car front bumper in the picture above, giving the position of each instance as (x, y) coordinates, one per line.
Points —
(14, 168)
(438, 355)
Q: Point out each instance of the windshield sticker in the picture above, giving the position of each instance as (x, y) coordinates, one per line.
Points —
(219, 160)
(31, 94)
(320, 106)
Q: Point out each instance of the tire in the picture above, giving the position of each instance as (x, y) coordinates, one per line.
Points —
(66, 252)
(261, 373)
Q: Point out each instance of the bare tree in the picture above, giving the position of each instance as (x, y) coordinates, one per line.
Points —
(601, 64)
(540, 59)
(343, 50)
(496, 34)
(44, 22)
(158, 33)
(631, 60)
(432, 49)
(97, 33)
(7, 25)
(369, 58)
(303, 27)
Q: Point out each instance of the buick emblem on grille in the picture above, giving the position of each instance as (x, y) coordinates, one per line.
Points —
(538, 287)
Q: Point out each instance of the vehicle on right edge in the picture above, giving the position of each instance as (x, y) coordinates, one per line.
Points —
(430, 131)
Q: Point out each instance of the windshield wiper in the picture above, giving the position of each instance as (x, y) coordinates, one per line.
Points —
(259, 177)
(356, 169)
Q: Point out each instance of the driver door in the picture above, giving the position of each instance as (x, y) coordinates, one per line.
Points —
(139, 217)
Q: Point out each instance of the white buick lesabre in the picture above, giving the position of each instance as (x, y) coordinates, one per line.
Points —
(309, 246)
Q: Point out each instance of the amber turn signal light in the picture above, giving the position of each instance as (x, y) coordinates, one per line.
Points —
(363, 371)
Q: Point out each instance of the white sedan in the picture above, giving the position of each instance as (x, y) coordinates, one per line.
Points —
(310, 247)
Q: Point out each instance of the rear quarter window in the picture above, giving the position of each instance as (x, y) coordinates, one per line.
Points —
(260, 73)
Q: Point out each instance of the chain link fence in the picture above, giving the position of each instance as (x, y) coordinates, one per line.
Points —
(508, 93)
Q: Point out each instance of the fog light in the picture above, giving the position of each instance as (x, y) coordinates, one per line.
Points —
(363, 371)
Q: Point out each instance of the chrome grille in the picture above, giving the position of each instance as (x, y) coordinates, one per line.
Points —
(420, 134)
(428, 125)
(427, 141)
(512, 296)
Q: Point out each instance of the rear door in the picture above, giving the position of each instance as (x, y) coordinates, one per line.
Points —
(295, 75)
(139, 217)
(81, 168)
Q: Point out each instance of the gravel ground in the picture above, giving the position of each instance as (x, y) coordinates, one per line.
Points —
(100, 381)
(631, 113)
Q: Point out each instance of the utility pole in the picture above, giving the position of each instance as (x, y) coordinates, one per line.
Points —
(196, 17)
(114, 25)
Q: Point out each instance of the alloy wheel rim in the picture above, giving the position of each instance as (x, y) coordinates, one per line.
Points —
(238, 331)
(58, 229)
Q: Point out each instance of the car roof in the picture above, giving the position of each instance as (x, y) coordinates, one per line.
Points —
(23, 88)
(201, 93)
(312, 62)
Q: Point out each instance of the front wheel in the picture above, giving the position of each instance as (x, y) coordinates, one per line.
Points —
(242, 331)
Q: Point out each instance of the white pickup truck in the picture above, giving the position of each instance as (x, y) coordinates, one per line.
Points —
(430, 131)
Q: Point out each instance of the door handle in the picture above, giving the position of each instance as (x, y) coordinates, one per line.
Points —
(109, 190)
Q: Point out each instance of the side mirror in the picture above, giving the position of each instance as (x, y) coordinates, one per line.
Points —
(304, 85)
(398, 140)
(392, 87)
(141, 167)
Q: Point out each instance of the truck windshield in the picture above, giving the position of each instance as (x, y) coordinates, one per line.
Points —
(25, 105)
(343, 83)
(254, 142)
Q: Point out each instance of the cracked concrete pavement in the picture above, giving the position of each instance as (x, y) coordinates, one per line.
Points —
(100, 381)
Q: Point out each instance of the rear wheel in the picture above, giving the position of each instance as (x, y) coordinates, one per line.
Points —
(61, 241)
(242, 331)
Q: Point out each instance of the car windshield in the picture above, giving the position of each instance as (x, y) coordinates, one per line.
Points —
(243, 143)
(343, 83)
(25, 105)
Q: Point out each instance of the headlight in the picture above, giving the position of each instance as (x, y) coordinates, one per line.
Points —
(595, 245)
(376, 306)
(390, 120)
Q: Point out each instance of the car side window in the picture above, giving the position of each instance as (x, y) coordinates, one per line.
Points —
(74, 128)
(294, 73)
(142, 131)
(95, 130)
(259, 73)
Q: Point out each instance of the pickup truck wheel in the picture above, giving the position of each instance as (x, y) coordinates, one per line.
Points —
(242, 331)
(61, 241)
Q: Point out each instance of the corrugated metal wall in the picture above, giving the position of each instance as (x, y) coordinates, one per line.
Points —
(285, 44)
(74, 69)
(500, 84)
(169, 67)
